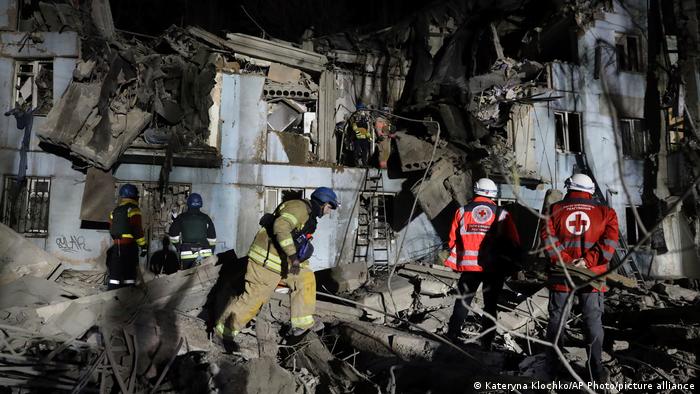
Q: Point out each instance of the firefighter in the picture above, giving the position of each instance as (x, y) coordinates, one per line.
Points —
(127, 237)
(580, 232)
(482, 238)
(361, 144)
(193, 233)
(280, 252)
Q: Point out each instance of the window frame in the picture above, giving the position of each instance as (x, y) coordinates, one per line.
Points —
(36, 64)
(636, 126)
(566, 132)
(623, 56)
(37, 228)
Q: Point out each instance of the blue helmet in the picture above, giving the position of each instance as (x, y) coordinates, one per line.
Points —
(194, 201)
(326, 195)
(360, 107)
(128, 191)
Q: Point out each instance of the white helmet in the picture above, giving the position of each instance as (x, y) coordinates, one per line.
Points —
(485, 187)
(581, 182)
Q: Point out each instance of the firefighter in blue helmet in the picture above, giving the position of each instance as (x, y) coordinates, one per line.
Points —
(193, 233)
(280, 252)
(127, 237)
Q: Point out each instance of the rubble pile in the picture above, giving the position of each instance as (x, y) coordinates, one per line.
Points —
(69, 334)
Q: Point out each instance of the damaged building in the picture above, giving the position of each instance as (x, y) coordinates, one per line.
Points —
(523, 92)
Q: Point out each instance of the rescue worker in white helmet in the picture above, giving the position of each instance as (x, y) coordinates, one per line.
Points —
(193, 233)
(280, 252)
(581, 232)
(480, 232)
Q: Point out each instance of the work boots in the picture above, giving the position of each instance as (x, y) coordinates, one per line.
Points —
(318, 326)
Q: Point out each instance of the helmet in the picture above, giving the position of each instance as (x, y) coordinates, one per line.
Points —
(326, 195)
(194, 201)
(360, 107)
(581, 182)
(128, 191)
(486, 188)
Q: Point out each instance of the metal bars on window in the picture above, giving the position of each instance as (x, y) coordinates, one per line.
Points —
(25, 206)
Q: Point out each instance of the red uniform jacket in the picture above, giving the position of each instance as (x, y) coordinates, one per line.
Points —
(477, 229)
(580, 227)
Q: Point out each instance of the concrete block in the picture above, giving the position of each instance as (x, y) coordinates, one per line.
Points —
(349, 277)
(433, 288)
(402, 294)
(533, 307)
(20, 257)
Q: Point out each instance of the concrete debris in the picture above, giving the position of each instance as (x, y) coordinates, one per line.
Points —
(20, 257)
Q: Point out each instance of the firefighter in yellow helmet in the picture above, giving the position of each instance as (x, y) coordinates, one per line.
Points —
(280, 251)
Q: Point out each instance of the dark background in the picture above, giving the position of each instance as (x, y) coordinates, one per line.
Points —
(282, 19)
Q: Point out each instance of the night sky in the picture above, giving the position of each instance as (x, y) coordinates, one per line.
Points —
(283, 19)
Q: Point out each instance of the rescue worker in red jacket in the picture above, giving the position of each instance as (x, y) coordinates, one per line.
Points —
(127, 237)
(480, 232)
(582, 232)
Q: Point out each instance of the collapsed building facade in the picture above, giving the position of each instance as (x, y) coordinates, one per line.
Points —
(524, 96)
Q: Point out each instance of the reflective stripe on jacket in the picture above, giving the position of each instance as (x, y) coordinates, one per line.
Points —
(125, 222)
(476, 229)
(580, 227)
(290, 215)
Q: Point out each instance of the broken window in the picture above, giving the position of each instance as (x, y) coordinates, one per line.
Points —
(568, 131)
(158, 210)
(25, 206)
(275, 196)
(627, 48)
(634, 230)
(34, 85)
(676, 132)
(635, 138)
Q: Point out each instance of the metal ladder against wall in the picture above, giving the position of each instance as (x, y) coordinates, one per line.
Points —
(373, 236)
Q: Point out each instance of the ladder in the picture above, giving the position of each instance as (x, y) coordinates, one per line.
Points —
(373, 236)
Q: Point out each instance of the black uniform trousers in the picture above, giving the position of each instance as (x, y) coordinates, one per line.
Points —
(467, 285)
(592, 308)
(122, 265)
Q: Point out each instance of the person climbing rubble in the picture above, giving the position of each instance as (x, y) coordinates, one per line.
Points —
(482, 239)
(127, 237)
(385, 133)
(193, 233)
(582, 233)
(280, 252)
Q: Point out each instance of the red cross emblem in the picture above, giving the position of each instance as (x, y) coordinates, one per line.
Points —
(578, 223)
(481, 214)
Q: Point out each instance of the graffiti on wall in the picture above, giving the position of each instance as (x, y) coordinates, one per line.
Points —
(72, 244)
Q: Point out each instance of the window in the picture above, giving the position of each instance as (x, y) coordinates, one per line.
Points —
(635, 138)
(568, 129)
(34, 85)
(627, 48)
(25, 206)
(634, 230)
(275, 196)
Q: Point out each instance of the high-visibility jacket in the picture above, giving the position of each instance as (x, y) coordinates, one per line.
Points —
(579, 227)
(478, 229)
(125, 223)
(291, 217)
(194, 234)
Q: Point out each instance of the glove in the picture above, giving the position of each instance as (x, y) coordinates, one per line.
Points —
(144, 252)
(294, 265)
(580, 263)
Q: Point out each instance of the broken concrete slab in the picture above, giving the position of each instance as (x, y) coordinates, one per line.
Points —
(399, 299)
(283, 74)
(414, 153)
(432, 195)
(349, 277)
(98, 196)
(534, 307)
(676, 292)
(30, 291)
(20, 257)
